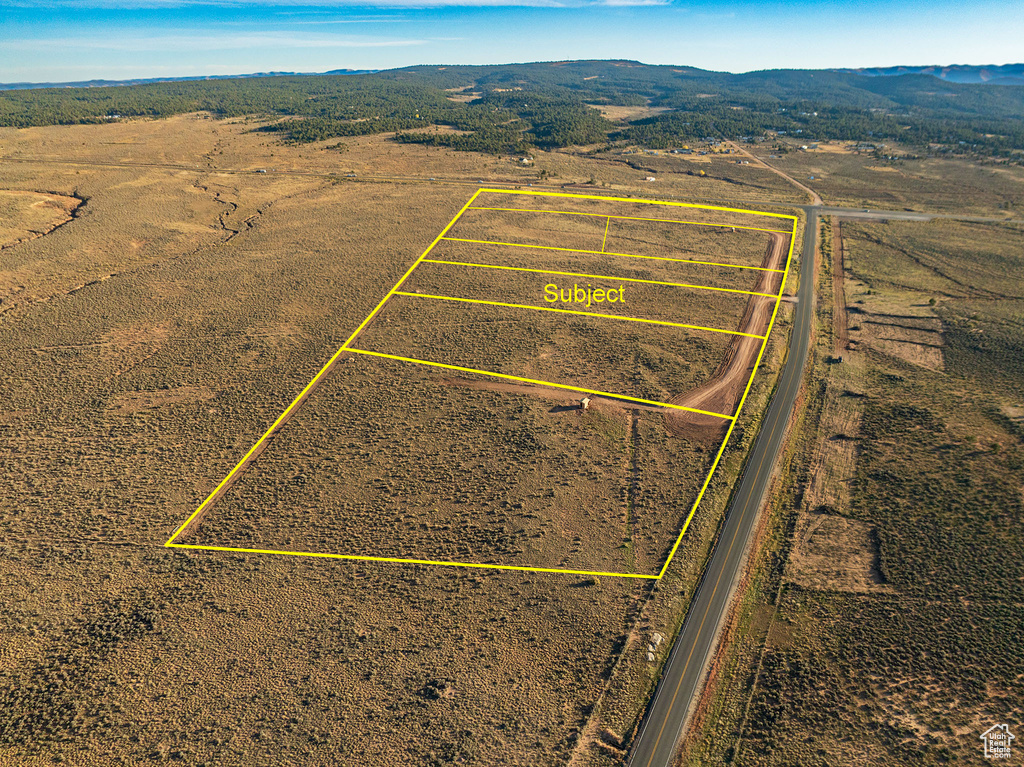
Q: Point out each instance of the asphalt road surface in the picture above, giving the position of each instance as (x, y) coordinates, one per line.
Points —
(655, 744)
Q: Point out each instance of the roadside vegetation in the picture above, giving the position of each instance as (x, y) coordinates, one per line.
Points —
(887, 604)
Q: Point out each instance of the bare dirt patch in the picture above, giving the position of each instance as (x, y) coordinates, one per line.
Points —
(897, 325)
(835, 454)
(133, 402)
(570, 399)
(611, 112)
(834, 553)
(27, 215)
(920, 346)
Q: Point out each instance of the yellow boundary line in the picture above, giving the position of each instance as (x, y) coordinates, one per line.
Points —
(607, 253)
(573, 311)
(294, 404)
(598, 277)
(507, 377)
(631, 218)
(671, 203)
(362, 558)
(739, 408)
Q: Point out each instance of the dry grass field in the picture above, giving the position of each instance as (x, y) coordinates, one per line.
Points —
(886, 607)
(390, 459)
(504, 474)
(152, 339)
(27, 215)
(929, 184)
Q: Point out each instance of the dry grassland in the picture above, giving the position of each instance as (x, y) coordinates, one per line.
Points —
(902, 280)
(389, 459)
(956, 186)
(661, 303)
(631, 359)
(27, 215)
(718, 245)
(627, 114)
(604, 264)
(624, 209)
(527, 228)
(196, 141)
(152, 339)
(832, 552)
(892, 622)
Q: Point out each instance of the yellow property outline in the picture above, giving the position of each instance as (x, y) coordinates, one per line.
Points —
(608, 253)
(630, 218)
(395, 290)
(598, 277)
(623, 317)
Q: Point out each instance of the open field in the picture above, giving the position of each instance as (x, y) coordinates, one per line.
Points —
(198, 142)
(621, 358)
(885, 608)
(389, 459)
(27, 215)
(931, 184)
(150, 342)
(472, 488)
(687, 271)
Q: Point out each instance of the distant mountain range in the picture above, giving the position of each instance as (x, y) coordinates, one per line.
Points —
(1005, 74)
(144, 81)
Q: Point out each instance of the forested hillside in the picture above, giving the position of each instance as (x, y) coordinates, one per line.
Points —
(515, 107)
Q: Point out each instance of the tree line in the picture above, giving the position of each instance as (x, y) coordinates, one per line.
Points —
(519, 107)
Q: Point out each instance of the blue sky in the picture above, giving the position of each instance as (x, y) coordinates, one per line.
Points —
(62, 40)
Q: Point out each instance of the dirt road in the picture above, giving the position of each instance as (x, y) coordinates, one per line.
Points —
(815, 198)
(722, 393)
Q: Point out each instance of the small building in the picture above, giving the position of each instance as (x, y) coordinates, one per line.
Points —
(585, 403)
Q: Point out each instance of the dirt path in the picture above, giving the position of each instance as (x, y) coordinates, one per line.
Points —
(838, 277)
(815, 198)
(722, 393)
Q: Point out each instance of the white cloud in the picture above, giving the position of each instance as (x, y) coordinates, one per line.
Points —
(636, 2)
(190, 42)
(272, 7)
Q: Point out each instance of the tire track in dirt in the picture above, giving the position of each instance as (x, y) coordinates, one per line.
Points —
(842, 320)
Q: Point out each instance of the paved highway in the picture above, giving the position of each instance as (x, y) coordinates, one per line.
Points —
(655, 744)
